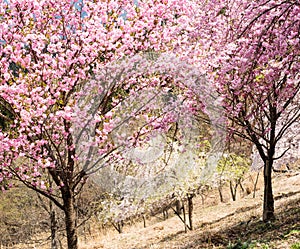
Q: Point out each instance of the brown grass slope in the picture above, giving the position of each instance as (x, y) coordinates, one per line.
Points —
(226, 225)
(232, 225)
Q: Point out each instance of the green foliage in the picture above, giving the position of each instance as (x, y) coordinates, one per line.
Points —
(292, 232)
(247, 245)
(240, 245)
(295, 245)
(233, 166)
(204, 145)
(265, 246)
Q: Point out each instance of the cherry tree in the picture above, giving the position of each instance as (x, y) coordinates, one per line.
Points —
(51, 54)
(287, 150)
(256, 72)
(168, 162)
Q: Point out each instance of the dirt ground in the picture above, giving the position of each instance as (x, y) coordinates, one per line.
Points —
(225, 225)
(218, 226)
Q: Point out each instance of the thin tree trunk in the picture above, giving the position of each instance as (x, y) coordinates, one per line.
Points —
(268, 206)
(165, 213)
(120, 225)
(178, 206)
(70, 220)
(144, 220)
(190, 209)
(220, 194)
(53, 222)
(255, 185)
(233, 189)
(241, 185)
(184, 217)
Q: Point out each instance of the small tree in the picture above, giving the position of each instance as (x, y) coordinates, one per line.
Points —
(232, 168)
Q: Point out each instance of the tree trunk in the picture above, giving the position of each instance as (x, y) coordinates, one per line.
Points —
(233, 189)
(165, 213)
(255, 185)
(120, 226)
(70, 220)
(53, 222)
(220, 194)
(184, 217)
(178, 206)
(268, 206)
(190, 207)
(144, 220)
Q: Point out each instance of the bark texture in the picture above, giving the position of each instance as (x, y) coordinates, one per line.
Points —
(268, 208)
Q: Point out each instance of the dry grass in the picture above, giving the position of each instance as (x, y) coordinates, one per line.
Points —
(219, 226)
(226, 225)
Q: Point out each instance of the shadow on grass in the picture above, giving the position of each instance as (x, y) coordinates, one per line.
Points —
(253, 229)
(245, 232)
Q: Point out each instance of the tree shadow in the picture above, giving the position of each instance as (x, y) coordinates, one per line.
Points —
(247, 230)
(252, 229)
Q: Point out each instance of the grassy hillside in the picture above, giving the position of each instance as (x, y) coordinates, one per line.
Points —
(226, 225)
(232, 225)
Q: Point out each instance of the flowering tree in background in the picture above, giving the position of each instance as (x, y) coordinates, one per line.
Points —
(257, 75)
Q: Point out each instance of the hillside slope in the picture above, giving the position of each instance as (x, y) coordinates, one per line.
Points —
(232, 225)
(226, 225)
